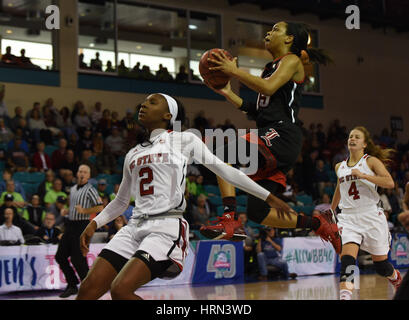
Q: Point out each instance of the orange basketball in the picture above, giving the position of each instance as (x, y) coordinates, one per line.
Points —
(215, 78)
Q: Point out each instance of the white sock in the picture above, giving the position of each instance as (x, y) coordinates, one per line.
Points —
(345, 294)
(394, 276)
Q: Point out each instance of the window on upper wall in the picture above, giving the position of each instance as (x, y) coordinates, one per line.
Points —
(25, 41)
(152, 41)
(145, 41)
(97, 37)
(252, 55)
(205, 34)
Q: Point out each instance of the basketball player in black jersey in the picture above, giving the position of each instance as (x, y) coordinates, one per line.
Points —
(279, 133)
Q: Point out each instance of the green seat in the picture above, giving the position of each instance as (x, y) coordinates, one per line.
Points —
(22, 177)
(212, 189)
(305, 199)
(49, 149)
(216, 200)
(241, 200)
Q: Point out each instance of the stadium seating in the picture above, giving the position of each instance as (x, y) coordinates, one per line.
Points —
(216, 200)
(30, 188)
(242, 200)
(49, 149)
(212, 189)
(27, 177)
(329, 190)
(305, 199)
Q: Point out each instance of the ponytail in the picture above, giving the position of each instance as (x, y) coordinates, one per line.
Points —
(385, 155)
(300, 32)
(320, 56)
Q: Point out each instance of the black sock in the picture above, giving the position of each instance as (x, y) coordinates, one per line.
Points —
(229, 204)
(306, 222)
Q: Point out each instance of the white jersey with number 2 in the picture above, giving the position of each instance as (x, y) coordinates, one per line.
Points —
(356, 193)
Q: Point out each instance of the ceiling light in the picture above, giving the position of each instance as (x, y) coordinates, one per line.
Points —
(192, 27)
(251, 60)
(150, 24)
(9, 31)
(198, 54)
(10, 4)
(309, 40)
(92, 45)
(138, 47)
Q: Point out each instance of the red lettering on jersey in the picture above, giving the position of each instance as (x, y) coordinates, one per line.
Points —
(342, 180)
(165, 158)
(139, 161)
(132, 166)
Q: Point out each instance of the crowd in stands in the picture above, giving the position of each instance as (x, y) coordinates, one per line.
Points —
(9, 59)
(138, 71)
(41, 150)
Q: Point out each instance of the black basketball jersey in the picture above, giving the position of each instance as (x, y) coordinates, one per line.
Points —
(283, 105)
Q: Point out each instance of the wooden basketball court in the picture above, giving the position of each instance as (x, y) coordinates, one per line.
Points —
(372, 287)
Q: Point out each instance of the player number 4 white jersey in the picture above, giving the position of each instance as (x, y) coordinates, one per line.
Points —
(356, 193)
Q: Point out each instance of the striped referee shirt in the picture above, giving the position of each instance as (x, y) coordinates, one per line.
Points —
(86, 196)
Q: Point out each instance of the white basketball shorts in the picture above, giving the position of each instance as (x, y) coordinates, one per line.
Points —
(367, 227)
(163, 239)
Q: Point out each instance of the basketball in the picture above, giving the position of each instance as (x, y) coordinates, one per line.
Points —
(216, 79)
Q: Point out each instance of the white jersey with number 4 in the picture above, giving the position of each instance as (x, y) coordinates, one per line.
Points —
(356, 193)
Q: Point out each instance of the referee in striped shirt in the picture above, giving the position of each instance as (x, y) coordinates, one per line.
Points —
(84, 201)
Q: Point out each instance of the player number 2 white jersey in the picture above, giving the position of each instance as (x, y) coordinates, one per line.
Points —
(356, 193)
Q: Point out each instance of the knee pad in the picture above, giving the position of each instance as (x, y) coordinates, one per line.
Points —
(383, 268)
(346, 270)
(157, 268)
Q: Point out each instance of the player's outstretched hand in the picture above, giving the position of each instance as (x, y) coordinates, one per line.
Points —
(86, 236)
(283, 209)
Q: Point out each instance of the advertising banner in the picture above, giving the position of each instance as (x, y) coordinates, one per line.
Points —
(308, 255)
(219, 262)
(34, 268)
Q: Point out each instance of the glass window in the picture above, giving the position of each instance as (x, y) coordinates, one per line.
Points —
(25, 41)
(96, 39)
(253, 56)
(152, 41)
(205, 34)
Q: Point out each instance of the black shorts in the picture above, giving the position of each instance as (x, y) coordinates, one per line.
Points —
(279, 145)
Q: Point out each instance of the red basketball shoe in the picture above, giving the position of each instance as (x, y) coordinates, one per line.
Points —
(396, 283)
(328, 229)
(226, 228)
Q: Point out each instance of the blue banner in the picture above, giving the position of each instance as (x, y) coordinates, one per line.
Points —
(219, 262)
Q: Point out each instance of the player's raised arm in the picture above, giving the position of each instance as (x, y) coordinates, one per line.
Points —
(288, 67)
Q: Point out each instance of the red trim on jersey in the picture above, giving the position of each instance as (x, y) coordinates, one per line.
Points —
(365, 156)
(170, 130)
(282, 56)
(269, 172)
(183, 235)
(302, 81)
